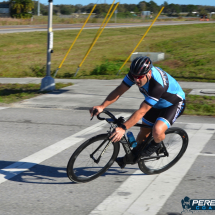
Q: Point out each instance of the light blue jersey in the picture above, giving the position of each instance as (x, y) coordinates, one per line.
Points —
(161, 91)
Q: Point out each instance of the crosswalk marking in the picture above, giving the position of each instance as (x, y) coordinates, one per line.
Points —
(48, 152)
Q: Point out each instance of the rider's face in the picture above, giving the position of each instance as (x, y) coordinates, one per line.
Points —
(141, 80)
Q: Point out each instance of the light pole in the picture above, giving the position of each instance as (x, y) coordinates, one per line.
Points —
(48, 83)
(115, 14)
(38, 8)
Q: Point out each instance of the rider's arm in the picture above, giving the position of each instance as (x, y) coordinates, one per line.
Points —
(137, 115)
(114, 95)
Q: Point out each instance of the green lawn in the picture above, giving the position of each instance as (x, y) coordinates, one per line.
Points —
(199, 105)
(10, 93)
(189, 49)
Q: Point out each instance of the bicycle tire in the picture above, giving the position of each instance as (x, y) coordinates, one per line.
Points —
(148, 168)
(72, 171)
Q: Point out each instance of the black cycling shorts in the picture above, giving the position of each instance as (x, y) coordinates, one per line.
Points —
(167, 115)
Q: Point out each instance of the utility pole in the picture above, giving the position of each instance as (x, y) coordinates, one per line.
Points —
(38, 8)
(115, 14)
(48, 83)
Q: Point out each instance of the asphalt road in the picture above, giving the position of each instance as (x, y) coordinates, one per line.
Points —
(39, 135)
(57, 27)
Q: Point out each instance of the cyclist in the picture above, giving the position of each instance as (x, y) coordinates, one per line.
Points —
(164, 103)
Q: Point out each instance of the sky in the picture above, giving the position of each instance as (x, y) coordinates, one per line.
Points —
(159, 2)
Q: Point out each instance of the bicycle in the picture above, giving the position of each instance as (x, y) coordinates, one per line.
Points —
(99, 153)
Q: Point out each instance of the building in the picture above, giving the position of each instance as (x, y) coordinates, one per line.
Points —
(4, 10)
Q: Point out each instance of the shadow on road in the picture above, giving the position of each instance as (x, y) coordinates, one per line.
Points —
(42, 174)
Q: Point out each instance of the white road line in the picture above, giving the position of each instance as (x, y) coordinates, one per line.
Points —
(205, 154)
(48, 152)
(148, 193)
(2, 108)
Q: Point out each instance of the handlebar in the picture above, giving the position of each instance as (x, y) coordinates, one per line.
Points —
(108, 113)
(114, 120)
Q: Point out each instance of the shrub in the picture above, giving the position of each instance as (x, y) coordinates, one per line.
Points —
(106, 68)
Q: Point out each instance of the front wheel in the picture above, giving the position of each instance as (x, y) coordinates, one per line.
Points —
(175, 142)
(92, 159)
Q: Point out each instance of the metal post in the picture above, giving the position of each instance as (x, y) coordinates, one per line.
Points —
(116, 11)
(38, 8)
(140, 40)
(48, 83)
(74, 41)
(98, 35)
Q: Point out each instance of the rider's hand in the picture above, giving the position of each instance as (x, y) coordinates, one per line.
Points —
(117, 134)
(99, 108)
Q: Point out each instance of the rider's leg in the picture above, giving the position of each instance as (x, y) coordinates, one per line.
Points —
(161, 120)
(141, 137)
(158, 133)
(166, 118)
(143, 134)
(148, 119)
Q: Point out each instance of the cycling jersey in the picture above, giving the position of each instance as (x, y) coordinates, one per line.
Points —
(161, 91)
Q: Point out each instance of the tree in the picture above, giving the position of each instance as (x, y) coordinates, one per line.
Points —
(174, 8)
(142, 6)
(152, 6)
(88, 7)
(191, 8)
(65, 9)
(22, 8)
(202, 11)
(18, 6)
(165, 5)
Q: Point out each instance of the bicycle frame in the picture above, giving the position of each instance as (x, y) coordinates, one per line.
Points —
(124, 141)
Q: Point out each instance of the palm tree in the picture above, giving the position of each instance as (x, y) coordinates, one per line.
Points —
(28, 5)
(21, 7)
(18, 6)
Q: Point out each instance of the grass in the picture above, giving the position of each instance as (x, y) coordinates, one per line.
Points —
(36, 20)
(189, 50)
(10, 93)
(199, 105)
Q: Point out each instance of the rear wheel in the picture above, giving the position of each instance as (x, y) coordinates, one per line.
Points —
(92, 159)
(175, 142)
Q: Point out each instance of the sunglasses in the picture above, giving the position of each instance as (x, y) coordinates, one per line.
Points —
(138, 76)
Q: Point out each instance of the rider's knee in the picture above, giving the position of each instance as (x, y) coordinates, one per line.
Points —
(158, 134)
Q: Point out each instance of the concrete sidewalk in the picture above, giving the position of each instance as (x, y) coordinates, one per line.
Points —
(86, 93)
